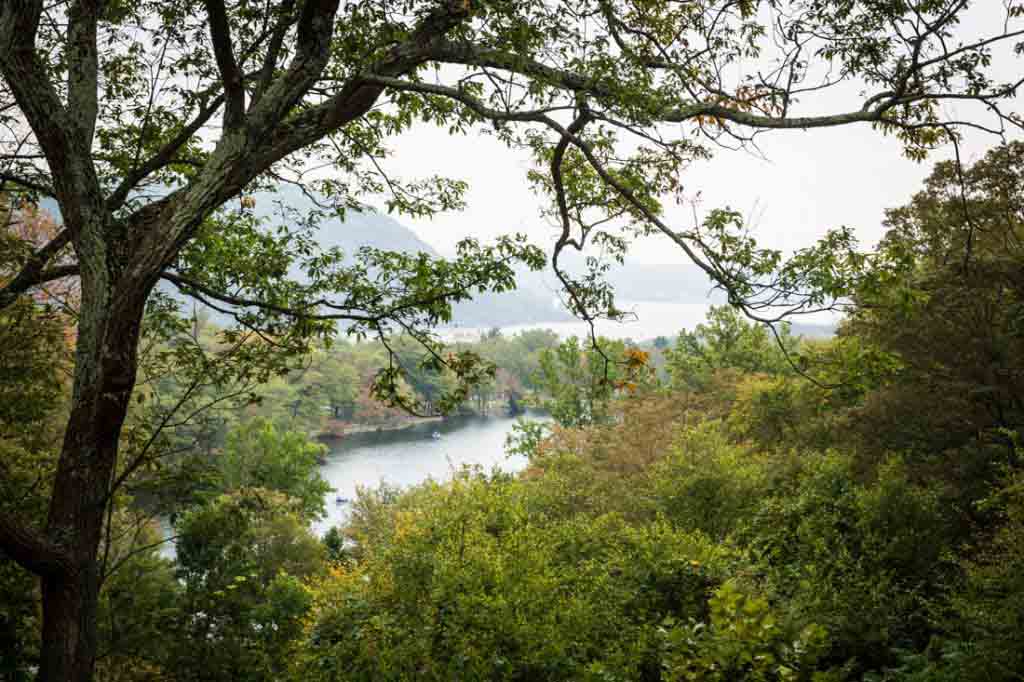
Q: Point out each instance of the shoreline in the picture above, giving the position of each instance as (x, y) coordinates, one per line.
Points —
(328, 435)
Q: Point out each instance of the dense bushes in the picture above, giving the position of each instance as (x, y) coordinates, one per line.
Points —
(861, 559)
(473, 581)
(715, 562)
(864, 521)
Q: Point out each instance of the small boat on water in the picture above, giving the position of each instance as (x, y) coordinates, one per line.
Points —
(436, 435)
(341, 500)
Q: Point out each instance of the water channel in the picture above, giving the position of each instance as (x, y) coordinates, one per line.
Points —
(437, 449)
(409, 456)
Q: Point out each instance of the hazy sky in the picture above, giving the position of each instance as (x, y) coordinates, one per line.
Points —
(809, 182)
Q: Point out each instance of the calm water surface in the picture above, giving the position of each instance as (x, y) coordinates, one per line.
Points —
(410, 456)
(404, 458)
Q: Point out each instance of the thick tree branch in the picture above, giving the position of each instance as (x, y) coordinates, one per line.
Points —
(31, 550)
(464, 54)
(359, 95)
(746, 118)
(673, 115)
(19, 22)
(76, 186)
(33, 273)
(285, 19)
(471, 55)
(239, 156)
(230, 74)
(83, 66)
(273, 140)
(313, 42)
(873, 108)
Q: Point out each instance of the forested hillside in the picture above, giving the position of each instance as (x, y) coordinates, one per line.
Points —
(851, 511)
(738, 505)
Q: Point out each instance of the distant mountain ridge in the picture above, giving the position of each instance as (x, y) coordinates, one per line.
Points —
(530, 303)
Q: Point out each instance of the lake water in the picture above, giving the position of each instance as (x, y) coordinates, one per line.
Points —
(410, 456)
(404, 458)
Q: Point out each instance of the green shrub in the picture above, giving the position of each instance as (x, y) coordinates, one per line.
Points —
(708, 483)
(472, 584)
(859, 558)
(988, 621)
(743, 640)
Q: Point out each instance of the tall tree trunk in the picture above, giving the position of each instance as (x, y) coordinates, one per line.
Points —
(106, 362)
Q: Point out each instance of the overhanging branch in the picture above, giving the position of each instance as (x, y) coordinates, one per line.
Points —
(26, 183)
(34, 272)
(66, 148)
(30, 549)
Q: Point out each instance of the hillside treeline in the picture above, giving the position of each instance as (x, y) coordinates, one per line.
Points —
(744, 505)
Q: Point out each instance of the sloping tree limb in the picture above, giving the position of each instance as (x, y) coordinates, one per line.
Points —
(64, 143)
(34, 271)
(31, 549)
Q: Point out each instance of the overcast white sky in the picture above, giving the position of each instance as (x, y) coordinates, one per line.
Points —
(809, 182)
